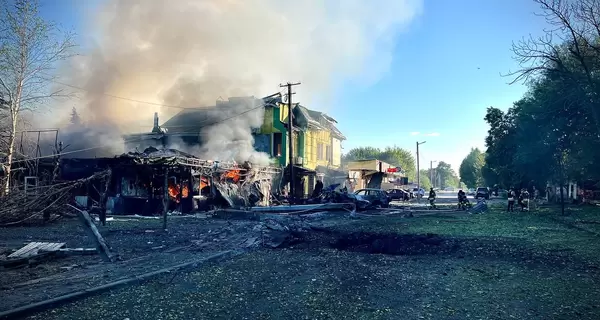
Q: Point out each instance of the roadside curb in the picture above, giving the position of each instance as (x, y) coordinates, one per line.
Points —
(70, 297)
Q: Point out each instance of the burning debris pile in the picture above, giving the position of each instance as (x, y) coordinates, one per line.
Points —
(247, 186)
(211, 184)
(150, 182)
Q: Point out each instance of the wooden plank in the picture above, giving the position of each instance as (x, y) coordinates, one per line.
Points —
(55, 246)
(24, 251)
(44, 246)
(93, 232)
(33, 249)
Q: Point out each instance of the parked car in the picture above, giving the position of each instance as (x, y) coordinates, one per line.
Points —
(418, 191)
(377, 197)
(398, 194)
(471, 192)
(482, 193)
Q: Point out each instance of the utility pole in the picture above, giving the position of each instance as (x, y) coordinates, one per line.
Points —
(431, 172)
(418, 173)
(289, 86)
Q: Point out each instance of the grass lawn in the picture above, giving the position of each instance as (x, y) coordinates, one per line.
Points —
(537, 265)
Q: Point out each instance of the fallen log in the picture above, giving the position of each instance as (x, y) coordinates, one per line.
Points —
(93, 232)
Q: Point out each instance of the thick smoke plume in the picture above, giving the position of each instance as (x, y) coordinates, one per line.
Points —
(193, 52)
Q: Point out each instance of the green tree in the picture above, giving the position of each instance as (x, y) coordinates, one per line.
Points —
(395, 156)
(549, 134)
(447, 175)
(470, 168)
(424, 181)
(361, 153)
(401, 158)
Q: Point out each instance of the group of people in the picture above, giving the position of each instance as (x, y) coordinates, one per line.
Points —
(463, 201)
(522, 199)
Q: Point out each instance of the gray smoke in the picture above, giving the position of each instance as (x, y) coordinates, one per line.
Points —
(226, 132)
(193, 52)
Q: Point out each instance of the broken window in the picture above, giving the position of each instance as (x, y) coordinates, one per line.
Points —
(31, 186)
(277, 142)
(133, 187)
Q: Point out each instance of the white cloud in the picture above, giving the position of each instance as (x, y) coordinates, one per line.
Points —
(433, 134)
(415, 133)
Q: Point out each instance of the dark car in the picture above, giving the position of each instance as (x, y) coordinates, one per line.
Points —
(398, 194)
(482, 193)
(376, 197)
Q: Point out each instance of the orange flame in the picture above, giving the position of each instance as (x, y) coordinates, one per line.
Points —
(203, 183)
(233, 175)
(174, 193)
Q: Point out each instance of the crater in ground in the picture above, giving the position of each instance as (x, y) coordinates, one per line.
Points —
(393, 244)
(379, 243)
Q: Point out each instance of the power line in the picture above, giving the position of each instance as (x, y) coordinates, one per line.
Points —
(124, 98)
(137, 139)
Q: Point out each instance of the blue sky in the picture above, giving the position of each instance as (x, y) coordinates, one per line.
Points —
(445, 73)
(434, 84)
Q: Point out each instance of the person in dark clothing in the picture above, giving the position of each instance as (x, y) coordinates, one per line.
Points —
(511, 201)
(462, 199)
(318, 189)
(432, 196)
(524, 200)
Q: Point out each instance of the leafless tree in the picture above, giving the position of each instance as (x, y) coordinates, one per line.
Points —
(570, 48)
(30, 49)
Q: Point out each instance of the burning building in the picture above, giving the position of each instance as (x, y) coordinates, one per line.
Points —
(157, 181)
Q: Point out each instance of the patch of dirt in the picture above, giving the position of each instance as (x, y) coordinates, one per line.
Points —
(327, 283)
(394, 244)
(141, 246)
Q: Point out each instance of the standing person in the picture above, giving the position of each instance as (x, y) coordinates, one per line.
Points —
(511, 200)
(524, 200)
(318, 189)
(432, 196)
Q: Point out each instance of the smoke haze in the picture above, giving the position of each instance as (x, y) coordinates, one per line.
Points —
(192, 52)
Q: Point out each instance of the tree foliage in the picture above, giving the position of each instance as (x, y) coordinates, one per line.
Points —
(424, 180)
(445, 175)
(552, 133)
(395, 156)
(470, 168)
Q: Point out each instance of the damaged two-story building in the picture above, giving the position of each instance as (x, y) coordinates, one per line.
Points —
(317, 150)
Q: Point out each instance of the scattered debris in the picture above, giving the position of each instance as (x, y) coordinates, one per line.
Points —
(34, 248)
(97, 219)
(78, 251)
(93, 232)
(37, 202)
